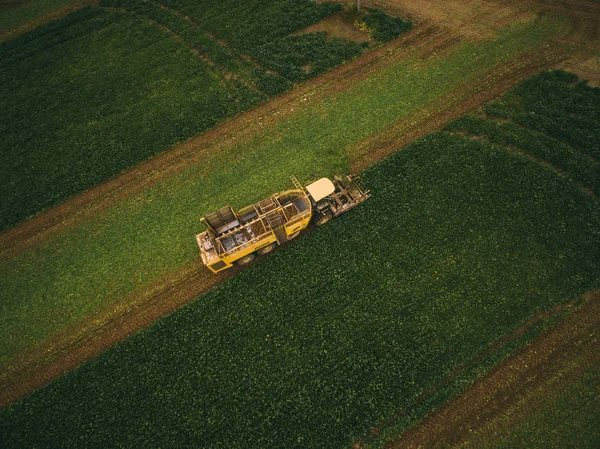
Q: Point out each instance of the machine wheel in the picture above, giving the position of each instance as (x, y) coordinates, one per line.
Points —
(267, 249)
(246, 259)
(324, 218)
(294, 235)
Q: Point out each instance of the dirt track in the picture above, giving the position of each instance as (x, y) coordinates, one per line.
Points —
(432, 35)
(515, 380)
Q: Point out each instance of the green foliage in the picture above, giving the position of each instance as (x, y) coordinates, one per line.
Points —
(557, 104)
(534, 105)
(190, 33)
(23, 12)
(263, 30)
(119, 76)
(303, 56)
(100, 90)
(58, 284)
(384, 27)
(250, 24)
(563, 413)
(344, 328)
(272, 84)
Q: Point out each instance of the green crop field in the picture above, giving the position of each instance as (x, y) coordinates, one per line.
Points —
(561, 413)
(461, 243)
(104, 88)
(19, 13)
(553, 117)
(108, 258)
(463, 240)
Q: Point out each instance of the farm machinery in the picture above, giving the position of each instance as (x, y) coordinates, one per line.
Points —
(238, 237)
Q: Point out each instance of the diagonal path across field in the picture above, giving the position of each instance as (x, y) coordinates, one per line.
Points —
(522, 385)
(122, 255)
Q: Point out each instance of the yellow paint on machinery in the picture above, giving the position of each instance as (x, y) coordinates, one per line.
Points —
(236, 237)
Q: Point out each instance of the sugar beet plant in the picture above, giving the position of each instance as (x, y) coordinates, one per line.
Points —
(382, 26)
(264, 31)
(341, 330)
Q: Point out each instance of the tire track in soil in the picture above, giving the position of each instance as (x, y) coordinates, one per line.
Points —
(465, 98)
(72, 347)
(514, 380)
(218, 140)
(69, 349)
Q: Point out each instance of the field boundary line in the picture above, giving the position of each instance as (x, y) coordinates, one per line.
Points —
(509, 381)
(219, 139)
(463, 99)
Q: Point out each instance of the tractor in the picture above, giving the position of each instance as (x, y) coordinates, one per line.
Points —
(238, 237)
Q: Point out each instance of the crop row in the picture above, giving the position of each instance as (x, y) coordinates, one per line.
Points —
(61, 282)
(99, 80)
(344, 328)
(82, 98)
(548, 149)
(184, 28)
(263, 30)
(553, 117)
(558, 104)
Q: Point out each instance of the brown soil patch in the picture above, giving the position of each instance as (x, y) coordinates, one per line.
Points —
(474, 19)
(512, 382)
(585, 66)
(340, 25)
(76, 345)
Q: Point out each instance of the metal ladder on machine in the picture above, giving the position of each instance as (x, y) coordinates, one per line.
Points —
(276, 222)
(296, 183)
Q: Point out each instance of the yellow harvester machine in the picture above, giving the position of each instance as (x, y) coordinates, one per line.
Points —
(237, 237)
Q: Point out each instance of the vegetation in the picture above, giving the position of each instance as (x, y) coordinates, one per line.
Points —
(105, 260)
(303, 56)
(461, 242)
(96, 92)
(563, 412)
(557, 104)
(23, 12)
(249, 25)
(82, 97)
(384, 27)
(552, 117)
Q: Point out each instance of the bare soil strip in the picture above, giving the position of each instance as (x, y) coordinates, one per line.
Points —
(215, 141)
(513, 381)
(71, 348)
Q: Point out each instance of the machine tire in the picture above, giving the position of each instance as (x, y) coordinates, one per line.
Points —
(267, 249)
(246, 259)
(293, 236)
(321, 219)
